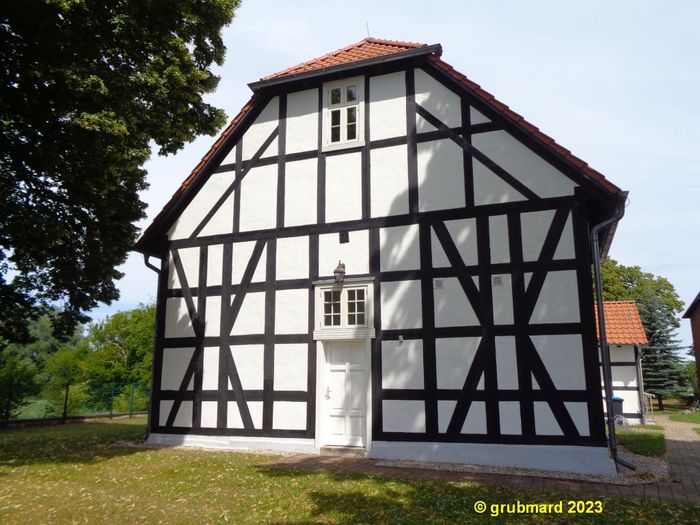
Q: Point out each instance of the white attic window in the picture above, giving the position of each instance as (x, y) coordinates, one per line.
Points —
(343, 125)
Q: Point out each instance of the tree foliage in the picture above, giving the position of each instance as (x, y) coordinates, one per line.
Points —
(659, 305)
(86, 87)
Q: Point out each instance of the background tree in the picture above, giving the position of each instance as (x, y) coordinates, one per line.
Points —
(64, 369)
(17, 384)
(659, 306)
(85, 87)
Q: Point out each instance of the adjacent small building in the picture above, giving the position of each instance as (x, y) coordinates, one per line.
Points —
(693, 313)
(625, 334)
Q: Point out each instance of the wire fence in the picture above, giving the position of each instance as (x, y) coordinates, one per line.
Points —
(85, 399)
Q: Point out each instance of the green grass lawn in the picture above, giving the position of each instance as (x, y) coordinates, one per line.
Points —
(693, 417)
(646, 440)
(74, 474)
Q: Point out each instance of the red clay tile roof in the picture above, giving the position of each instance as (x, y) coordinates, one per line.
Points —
(371, 48)
(623, 325)
(362, 50)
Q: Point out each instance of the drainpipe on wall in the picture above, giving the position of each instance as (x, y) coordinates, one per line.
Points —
(153, 363)
(604, 349)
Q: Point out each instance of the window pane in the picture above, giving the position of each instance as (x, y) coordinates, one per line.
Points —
(351, 295)
(351, 93)
(360, 318)
(352, 132)
(336, 297)
(351, 307)
(335, 134)
(352, 115)
(335, 96)
(360, 306)
(335, 117)
(327, 308)
(336, 320)
(327, 320)
(360, 295)
(351, 318)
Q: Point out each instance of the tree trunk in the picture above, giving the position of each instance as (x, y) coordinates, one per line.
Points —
(661, 402)
(65, 404)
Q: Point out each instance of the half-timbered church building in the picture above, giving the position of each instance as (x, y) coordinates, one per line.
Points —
(376, 253)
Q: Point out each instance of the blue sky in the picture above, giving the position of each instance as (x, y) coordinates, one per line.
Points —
(617, 83)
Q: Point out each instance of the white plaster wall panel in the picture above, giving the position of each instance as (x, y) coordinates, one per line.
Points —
(292, 258)
(177, 320)
(260, 130)
(249, 365)
(630, 400)
(210, 368)
(233, 414)
(222, 220)
(475, 422)
(231, 156)
(355, 253)
(402, 364)
(190, 265)
(453, 358)
(476, 117)
(498, 235)
(535, 226)
(242, 252)
(545, 422)
(300, 178)
(259, 199)
(624, 375)
(489, 188)
(290, 371)
(343, 187)
(401, 305)
(506, 363)
(579, 413)
(403, 416)
(502, 293)
(523, 164)
(209, 414)
(399, 248)
(165, 407)
(452, 308)
(201, 204)
(251, 317)
(562, 356)
(621, 353)
(288, 415)
(183, 417)
(558, 300)
(387, 113)
(509, 417)
(440, 176)
(175, 363)
(438, 100)
(215, 259)
(445, 410)
(302, 121)
(389, 181)
(463, 234)
(212, 325)
(292, 311)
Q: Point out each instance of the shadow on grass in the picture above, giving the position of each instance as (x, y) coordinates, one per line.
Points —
(71, 443)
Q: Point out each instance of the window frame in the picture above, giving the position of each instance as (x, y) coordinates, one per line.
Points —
(344, 330)
(328, 108)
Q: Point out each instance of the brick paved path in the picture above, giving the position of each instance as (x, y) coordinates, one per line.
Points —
(683, 453)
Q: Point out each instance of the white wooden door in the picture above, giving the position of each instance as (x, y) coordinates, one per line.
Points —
(345, 393)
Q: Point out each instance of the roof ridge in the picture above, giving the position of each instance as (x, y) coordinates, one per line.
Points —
(331, 54)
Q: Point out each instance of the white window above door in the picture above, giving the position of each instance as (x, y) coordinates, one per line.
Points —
(344, 311)
(343, 121)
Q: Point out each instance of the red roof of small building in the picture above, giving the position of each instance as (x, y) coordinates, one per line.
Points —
(623, 326)
(373, 48)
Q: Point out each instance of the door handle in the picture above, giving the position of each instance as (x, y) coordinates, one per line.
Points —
(328, 392)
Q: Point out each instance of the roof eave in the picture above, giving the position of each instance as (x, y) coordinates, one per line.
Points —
(384, 59)
(689, 312)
